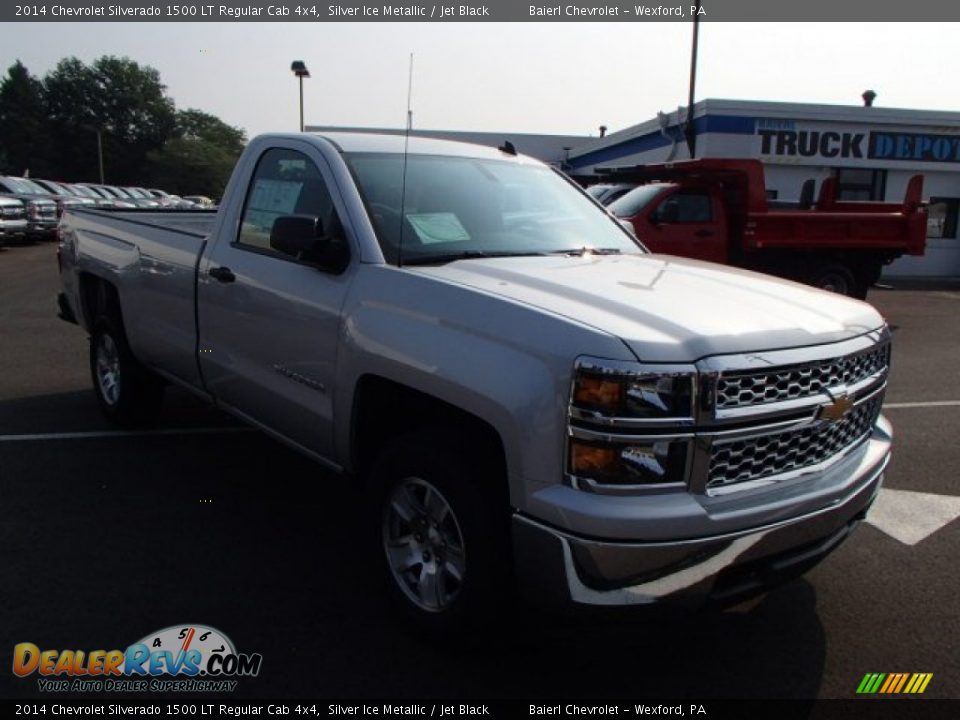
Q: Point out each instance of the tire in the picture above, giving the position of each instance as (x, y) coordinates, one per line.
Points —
(127, 393)
(837, 278)
(444, 533)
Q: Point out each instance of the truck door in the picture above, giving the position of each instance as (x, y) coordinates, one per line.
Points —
(691, 223)
(268, 320)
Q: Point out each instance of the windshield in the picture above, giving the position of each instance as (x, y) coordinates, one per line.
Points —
(596, 191)
(84, 190)
(20, 186)
(52, 187)
(458, 207)
(636, 200)
(32, 187)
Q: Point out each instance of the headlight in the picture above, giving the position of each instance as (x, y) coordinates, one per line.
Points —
(641, 462)
(615, 393)
(630, 424)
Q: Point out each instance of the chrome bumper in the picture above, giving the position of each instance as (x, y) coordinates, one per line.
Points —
(557, 568)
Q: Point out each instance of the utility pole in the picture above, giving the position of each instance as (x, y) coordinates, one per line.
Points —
(689, 130)
(100, 155)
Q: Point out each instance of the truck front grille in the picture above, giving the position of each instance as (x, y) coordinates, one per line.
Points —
(755, 458)
(744, 389)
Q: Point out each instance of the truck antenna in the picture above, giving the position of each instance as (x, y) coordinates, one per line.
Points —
(406, 147)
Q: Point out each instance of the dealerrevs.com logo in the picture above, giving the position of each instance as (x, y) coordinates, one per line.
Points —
(180, 658)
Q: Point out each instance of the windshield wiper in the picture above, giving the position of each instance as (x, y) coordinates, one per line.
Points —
(585, 250)
(466, 255)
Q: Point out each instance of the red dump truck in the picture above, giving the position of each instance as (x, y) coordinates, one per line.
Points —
(717, 210)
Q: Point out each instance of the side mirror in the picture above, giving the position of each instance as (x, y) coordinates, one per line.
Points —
(297, 235)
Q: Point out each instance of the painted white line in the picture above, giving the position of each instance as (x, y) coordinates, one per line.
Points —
(932, 403)
(121, 433)
(912, 516)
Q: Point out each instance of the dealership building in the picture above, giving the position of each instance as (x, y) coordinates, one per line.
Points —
(872, 151)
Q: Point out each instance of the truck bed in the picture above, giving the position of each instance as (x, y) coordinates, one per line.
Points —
(189, 222)
(850, 230)
(151, 256)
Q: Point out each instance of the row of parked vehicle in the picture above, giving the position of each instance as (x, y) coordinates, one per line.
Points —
(30, 208)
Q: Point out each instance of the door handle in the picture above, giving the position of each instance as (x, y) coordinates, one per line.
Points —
(703, 233)
(223, 274)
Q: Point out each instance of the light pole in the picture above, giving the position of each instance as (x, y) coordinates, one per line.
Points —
(100, 153)
(99, 132)
(689, 129)
(299, 68)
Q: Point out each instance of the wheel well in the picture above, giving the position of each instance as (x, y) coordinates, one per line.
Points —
(383, 409)
(98, 297)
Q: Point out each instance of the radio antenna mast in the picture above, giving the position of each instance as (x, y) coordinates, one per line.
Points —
(410, 97)
(406, 146)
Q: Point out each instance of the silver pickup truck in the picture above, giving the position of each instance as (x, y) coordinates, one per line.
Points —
(534, 400)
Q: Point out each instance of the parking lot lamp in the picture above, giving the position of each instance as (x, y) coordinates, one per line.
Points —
(299, 68)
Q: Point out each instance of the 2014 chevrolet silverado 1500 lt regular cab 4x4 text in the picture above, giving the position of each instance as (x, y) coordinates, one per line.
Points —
(535, 400)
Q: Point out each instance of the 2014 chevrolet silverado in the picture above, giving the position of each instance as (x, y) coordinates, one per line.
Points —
(535, 399)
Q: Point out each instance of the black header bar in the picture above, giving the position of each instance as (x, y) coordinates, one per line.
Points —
(487, 11)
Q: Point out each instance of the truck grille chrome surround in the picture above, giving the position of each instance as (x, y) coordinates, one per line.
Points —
(738, 389)
(775, 453)
(773, 416)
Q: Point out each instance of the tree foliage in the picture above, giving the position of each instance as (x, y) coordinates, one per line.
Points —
(124, 102)
(200, 156)
(52, 127)
(24, 132)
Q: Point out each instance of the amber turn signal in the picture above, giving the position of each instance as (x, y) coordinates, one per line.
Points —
(598, 392)
(590, 460)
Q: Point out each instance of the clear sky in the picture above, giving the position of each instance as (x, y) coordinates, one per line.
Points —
(566, 78)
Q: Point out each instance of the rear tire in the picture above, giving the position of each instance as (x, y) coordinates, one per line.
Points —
(444, 533)
(837, 278)
(127, 393)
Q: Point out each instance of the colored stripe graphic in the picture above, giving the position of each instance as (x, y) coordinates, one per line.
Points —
(894, 683)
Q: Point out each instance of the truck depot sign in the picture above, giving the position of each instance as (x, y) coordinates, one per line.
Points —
(781, 138)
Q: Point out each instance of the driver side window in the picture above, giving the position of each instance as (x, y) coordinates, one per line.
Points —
(285, 182)
(686, 206)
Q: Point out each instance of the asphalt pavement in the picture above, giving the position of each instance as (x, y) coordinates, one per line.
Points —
(106, 538)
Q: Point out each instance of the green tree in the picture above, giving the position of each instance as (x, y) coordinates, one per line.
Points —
(197, 125)
(124, 101)
(199, 158)
(24, 131)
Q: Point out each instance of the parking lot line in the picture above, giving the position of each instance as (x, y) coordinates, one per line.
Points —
(931, 403)
(23, 437)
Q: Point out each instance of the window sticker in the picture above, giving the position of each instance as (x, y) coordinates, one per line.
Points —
(434, 228)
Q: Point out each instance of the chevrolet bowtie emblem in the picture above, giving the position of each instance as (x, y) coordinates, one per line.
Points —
(838, 408)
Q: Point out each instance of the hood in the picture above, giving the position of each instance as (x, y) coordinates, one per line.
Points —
(669, 309)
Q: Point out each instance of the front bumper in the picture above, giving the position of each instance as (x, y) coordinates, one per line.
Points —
(558, 568)
(42, 228)
(64, 311)
(12, 229)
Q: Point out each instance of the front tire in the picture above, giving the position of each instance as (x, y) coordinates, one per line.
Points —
(127, 393)
(444, 533)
